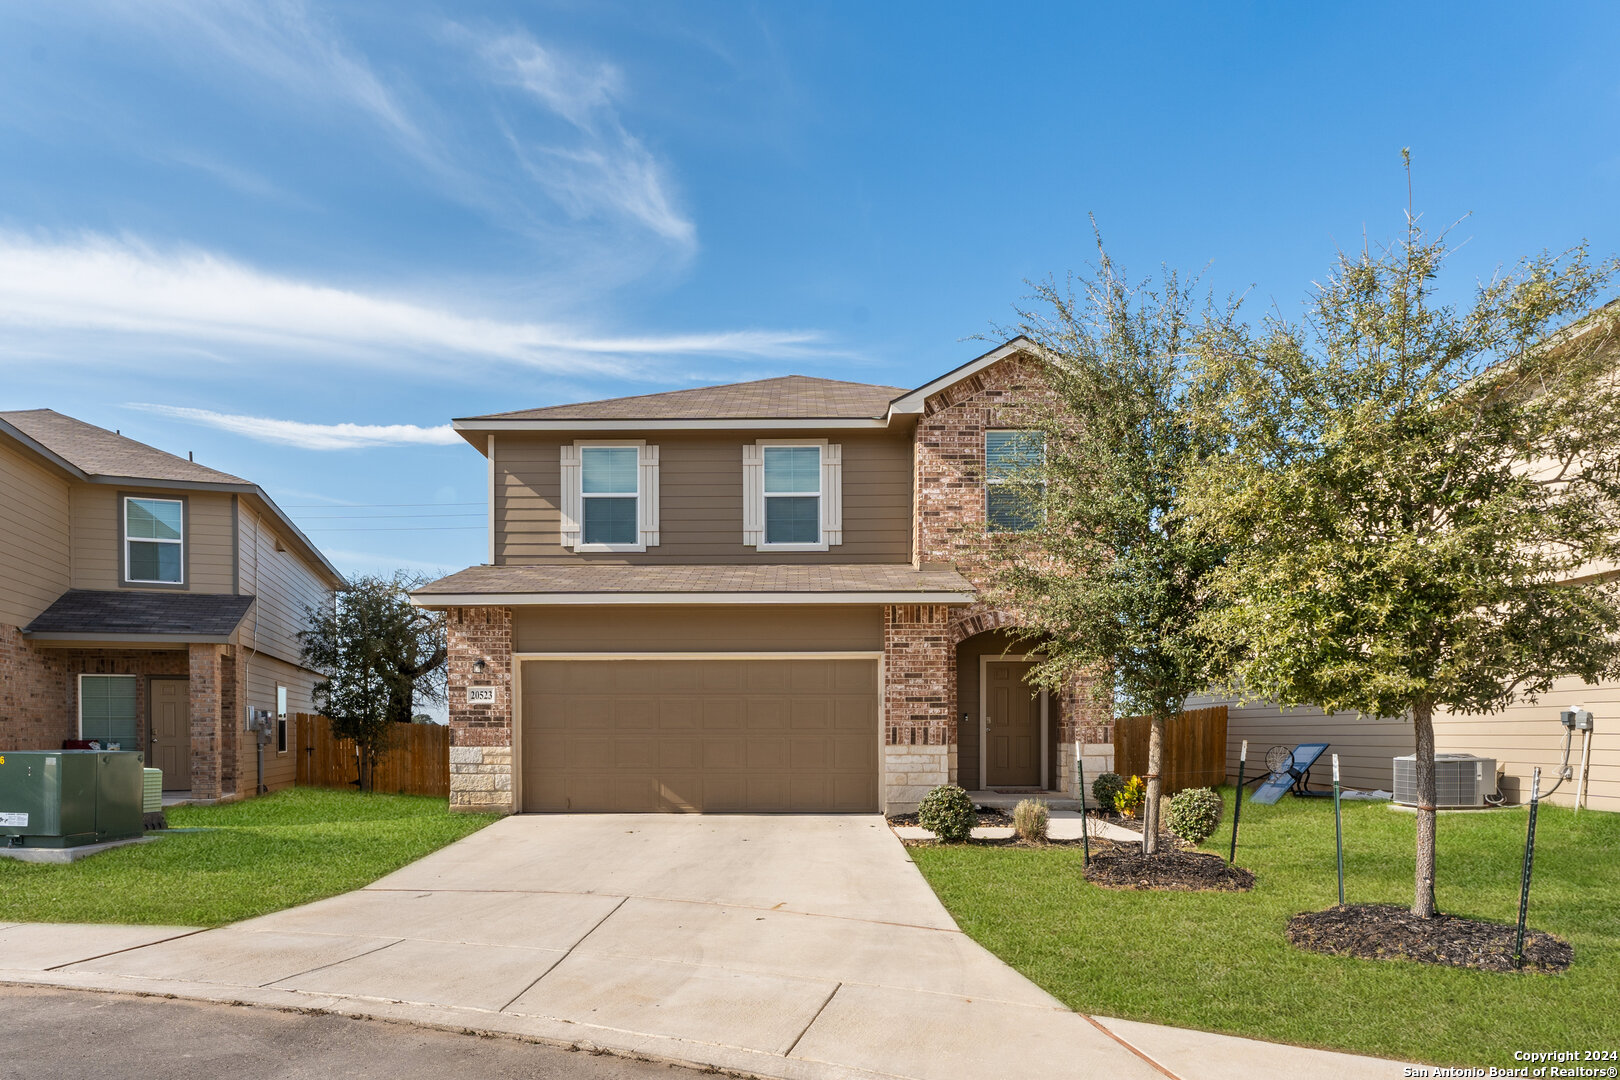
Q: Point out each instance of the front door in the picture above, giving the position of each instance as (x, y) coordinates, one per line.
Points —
(170, 716)
(1012, 725)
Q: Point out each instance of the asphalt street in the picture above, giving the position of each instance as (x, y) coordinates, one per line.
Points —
(65, 1033)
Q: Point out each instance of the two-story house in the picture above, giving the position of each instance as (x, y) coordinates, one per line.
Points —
(148, 602)
(762, 596)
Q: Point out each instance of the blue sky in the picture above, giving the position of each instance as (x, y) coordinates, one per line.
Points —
(297, 239)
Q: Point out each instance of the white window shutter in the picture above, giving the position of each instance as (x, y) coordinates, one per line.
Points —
(569, 509)
(648, 500)
(832, 493)
(753, 495)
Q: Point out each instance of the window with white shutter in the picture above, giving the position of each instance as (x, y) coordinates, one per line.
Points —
(609, 496)
(792, 495)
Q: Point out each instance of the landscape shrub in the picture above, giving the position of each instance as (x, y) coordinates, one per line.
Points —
(948, 813)
(1105, 788)
(1194, 813)
(1029, 820)
(1130, 798)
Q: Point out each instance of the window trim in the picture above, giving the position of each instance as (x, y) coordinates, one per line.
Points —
(79, 704)
(989, 526)
(646, 488)
(124, 540)
(283, 744)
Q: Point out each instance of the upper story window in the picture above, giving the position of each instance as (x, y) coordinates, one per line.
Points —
(792, 495)
(1013, 485)
(154, 541)
(610, 496)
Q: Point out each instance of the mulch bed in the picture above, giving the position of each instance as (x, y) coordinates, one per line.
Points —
(987, 817)
(1387, 932)
(1125, 867)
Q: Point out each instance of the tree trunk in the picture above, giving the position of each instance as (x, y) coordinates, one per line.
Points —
(1155, 786)
(1423, 887)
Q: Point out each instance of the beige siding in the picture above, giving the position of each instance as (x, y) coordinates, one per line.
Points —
(1519, 738)
(96, 558)
(264, 673)
(1526, 735)
(613, 628)
(34, 566)
(1366, 748)
(701, 500)
(286, 587)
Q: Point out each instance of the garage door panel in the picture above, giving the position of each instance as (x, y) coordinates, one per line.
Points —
(700, 735)
(678, 755)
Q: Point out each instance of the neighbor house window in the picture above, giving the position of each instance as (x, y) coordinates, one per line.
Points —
(792, 493)
(609, 496)
(1013, 485)
(107, 710)
(154, 540)
(281, 719)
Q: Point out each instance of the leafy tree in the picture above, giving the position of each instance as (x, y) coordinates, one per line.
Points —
(1413, 491)
(1111, 580)
(379, 653)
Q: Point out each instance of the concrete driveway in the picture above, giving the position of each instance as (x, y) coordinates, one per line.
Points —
(788, 947)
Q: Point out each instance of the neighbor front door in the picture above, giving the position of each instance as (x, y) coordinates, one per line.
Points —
(1012, 726)
(170, 724)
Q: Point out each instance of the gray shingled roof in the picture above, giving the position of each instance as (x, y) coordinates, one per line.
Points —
(99, 452)
(790, 397)
(608, 578)
(96, 613)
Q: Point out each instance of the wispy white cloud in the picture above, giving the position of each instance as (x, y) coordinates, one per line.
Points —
(307, 436)
(198, 300)
(286, 43)
(605, 168)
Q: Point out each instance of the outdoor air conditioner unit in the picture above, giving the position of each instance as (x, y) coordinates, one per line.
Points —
(1459, 780)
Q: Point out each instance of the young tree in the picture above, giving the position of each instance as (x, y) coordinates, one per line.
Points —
(1412, 491)
(1111, 580)
(380, 653)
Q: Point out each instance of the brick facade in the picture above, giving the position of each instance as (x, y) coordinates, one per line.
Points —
(949, 528)
(481, 765)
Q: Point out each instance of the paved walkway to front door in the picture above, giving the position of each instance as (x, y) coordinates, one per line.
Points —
(791, 947)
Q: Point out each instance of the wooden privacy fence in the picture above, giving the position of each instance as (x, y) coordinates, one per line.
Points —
(1194, 748)
(417, 762)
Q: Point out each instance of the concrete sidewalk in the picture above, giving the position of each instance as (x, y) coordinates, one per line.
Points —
(782, 947)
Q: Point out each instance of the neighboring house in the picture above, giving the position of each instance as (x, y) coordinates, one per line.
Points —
(1519, 738)
(149, 602)
(755, 597)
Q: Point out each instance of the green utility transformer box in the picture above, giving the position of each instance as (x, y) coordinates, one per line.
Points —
(64, 798)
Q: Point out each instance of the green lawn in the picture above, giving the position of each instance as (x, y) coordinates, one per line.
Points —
(1220, 962)
(256, 856)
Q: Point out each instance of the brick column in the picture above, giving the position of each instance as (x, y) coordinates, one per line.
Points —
(481, 765)
(207, 750)
(919, 691)
(1087, 726)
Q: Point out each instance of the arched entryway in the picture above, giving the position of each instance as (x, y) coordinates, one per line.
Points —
(1007, 730)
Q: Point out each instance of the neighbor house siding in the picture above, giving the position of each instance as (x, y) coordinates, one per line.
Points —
(1519, 738)
(95, 535)
(750, 628)
(34, 567)
(701, 500)
(1366, 748)
(1526, 735)
(263, 674)
(285, 585)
